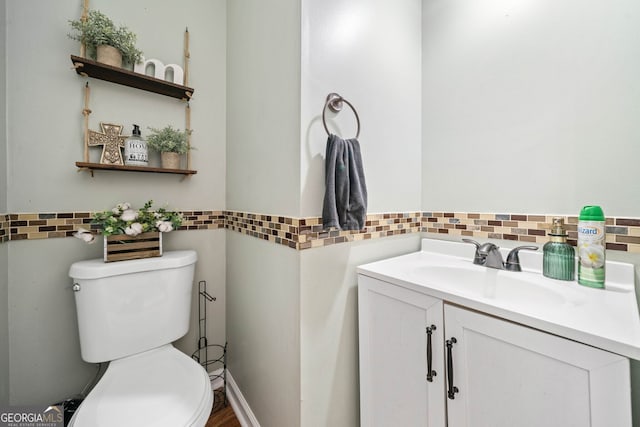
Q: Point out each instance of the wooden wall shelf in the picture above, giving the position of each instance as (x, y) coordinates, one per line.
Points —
(97, 70)
(99, 166)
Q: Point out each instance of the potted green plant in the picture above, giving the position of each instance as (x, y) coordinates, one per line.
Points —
(170, 143)
(110, 44)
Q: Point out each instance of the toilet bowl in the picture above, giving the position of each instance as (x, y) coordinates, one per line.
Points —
(129, 313)
(161, 387)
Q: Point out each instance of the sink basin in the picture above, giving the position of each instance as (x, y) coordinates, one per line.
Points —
(604, 318)
(497, 285)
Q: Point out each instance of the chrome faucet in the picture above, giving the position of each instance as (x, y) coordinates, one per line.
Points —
(488, 255)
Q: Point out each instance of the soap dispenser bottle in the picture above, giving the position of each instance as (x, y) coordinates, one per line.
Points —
(559, 257)
(135, 149)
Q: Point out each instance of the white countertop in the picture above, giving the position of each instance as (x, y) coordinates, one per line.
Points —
(604, 318)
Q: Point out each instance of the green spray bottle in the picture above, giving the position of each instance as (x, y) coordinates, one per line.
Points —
(591, 247)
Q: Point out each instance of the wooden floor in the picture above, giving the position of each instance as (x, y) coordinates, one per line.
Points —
(222, 416)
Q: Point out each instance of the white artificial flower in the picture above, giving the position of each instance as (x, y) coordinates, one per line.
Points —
(592, 256)
(129, 215)
(121, 207)
(134, 229)
(164, 226)
(84, 235)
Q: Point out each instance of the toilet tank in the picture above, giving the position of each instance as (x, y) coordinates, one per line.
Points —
(128, 307)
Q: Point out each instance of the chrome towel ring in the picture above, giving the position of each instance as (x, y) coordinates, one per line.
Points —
(335, 103)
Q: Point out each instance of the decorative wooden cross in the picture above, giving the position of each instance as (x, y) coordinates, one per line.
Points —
(111, 142)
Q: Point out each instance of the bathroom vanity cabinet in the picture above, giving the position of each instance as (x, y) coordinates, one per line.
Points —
(427, 362)
(396, 326)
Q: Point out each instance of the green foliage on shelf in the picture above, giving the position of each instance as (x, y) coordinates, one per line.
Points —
(99, 29)
(169, 140)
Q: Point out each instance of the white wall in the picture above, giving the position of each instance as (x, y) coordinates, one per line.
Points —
(45, 139)
(4, 255)
(263, 104)
(368, 52)
(3, 109)
(43, 341)
(46, 122)
(329, 327)
(282, 62)
(263, 152)
(4, 326)
(263, 327)
(530, 106)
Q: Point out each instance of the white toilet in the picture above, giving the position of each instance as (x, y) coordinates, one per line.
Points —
(129, 313)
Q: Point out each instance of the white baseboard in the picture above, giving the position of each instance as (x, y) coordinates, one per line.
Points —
(216, 382)
(239, 404)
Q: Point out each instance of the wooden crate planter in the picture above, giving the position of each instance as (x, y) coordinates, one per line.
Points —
(120, 247)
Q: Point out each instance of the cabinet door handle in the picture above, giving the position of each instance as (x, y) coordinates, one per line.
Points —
(451, 392)
(430, 372)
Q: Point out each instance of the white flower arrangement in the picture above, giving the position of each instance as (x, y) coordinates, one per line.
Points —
(122, 219)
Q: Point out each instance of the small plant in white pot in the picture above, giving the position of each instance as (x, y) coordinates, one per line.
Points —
(170, 143)
(110, 44)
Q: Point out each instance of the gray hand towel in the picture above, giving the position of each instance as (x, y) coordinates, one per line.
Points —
(345, 197)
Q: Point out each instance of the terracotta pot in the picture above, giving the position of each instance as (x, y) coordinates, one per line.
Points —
(109, 55)
(170, 160)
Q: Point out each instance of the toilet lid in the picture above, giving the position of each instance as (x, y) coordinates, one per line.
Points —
(160, 388)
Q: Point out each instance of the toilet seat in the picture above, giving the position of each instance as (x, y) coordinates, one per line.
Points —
(162, 387)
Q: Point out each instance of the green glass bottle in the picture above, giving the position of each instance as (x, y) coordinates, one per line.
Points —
(559, 257)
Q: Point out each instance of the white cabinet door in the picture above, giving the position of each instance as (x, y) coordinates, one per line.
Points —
(510, 375)
(395, 389)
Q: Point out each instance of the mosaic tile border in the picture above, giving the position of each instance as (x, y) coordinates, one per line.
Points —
(33, 226)
(4, 228)
(307, 233)
(623, 234)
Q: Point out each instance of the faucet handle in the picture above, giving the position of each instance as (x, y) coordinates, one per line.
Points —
(487, 247)
(473, 242)
(513, 260)
(478, 258)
